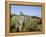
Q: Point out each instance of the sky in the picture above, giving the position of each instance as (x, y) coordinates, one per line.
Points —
(26, 10)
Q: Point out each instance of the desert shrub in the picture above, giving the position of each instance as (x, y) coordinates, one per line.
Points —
(13, 20)
(39, 27)
(13, 23)
(28, 24)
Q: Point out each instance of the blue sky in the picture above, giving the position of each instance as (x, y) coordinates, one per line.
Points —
(27, 10)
